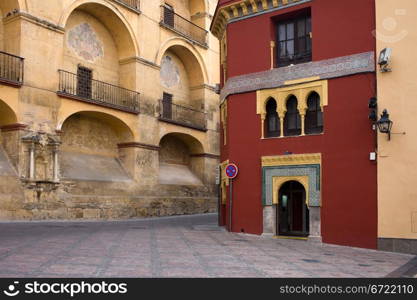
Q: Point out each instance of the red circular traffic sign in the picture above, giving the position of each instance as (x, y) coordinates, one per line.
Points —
(231, 171)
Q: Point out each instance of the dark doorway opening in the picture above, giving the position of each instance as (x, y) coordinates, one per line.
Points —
(293, 212)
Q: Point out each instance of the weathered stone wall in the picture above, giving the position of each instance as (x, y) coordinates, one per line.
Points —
(88, 134)
(109, 160)
(174, 151)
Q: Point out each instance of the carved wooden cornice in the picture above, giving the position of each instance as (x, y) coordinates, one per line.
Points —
(246, 8)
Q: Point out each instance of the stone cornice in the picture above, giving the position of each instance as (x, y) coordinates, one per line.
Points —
(206, 155)
(204, 86)
(245, 9)
(35, 20)
(13, 127)
(140, 60)
(138, 145)
(317, 70)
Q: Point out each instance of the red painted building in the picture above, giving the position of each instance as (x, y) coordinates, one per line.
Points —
(296, 80)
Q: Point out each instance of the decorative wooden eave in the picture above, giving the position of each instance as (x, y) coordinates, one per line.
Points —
(245, 8)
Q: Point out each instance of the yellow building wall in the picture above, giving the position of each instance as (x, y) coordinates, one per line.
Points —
(133, 47)
(396, 28)
(105, 66)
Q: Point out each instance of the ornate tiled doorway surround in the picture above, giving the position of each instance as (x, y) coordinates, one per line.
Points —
(277, 170)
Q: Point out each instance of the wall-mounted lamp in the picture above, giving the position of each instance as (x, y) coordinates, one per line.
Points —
(385, 124)
(384, 60)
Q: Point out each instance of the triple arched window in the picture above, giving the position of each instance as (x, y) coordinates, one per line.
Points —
(294, 122)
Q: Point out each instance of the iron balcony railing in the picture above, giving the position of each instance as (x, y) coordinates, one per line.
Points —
(11, 69)
(183, 26)
(97, 92)
(181, 115)
(135, 4)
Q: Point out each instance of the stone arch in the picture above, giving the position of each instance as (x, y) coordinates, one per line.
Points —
(292, 118)
(7, 7)
(120, 127)
(111, 115)
(198, 6)
(7, 114)
(180, 161)
(90, 147)
(199, 9)
(182, 74)
(113, 19)
(311, 91)
(182, 44)
(301, 180)
(266, 101)
(313, 120)
(288, 97)
(9, 140)
(195, 145)
(272, 121)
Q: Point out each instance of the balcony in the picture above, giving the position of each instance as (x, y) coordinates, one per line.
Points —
(183, 116)
(130, 4)
(11, 69)
(84, 89)
(182, 26)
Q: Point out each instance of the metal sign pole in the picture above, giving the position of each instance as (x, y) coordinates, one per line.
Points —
(230, 204)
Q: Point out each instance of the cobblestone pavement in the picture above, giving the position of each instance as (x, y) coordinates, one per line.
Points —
(188, 246)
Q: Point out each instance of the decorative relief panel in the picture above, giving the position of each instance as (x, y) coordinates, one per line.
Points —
(294, 159)
(170, 74)
(83, 40)
(319, 70)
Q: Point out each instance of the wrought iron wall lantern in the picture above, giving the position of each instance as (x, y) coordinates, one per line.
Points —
(385, 124)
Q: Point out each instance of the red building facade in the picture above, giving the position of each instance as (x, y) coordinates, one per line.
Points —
(296, 80)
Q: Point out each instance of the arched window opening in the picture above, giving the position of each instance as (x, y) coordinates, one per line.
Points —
(314, 115)
(292, 121)
(272, 123)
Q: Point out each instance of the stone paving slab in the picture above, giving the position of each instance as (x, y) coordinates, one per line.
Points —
(186, 246)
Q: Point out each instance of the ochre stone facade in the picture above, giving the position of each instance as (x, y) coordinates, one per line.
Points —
(77, 140)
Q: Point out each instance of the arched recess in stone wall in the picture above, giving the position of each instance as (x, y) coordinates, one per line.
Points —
(99, 38)
(183, 73)
(179, 160)
(89, 149)
(198, 12)
(7, 115)
(8, 7)
(8, 139)
(111, 17)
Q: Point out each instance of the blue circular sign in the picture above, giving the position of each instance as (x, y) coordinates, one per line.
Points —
(231, 171)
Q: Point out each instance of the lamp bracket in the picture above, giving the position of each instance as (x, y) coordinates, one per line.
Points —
(385, 69)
